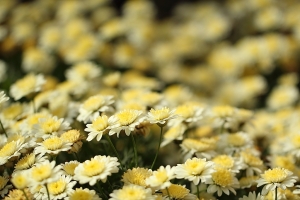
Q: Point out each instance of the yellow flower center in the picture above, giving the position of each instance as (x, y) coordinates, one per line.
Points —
(26, 162)
(70, 167)
(100, 123)
(296, 141)
(41, 173)
(222, 177)
(70, 136)
(195, 166)
(80, 194)
(197, 145)
(185, 111)
(136, 176)
(161, 176)
(127, 117)
(176, 191)
(50, 125)
(53, 143)
(93, 168)
(251, 159)
(236, 140)
(224, 161)
(93, 103)
(3, 182)
(57, 187)
(160, 114)
(19, 180)
(276, 175)
(8, 149)
(12, 111)
(128, 193)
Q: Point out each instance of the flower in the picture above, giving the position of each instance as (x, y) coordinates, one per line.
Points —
(74, 137)
(136, 176)
(69, 167)
(29, 161)
(27, 85)
(160, 178)
(59, 189)
(19, 195)
(174, 133)
(132, 192)
(83, 71)
(254, 164)
(91, 107)
(4, 187)
(10, 150)
(276, 178)
(252, 196)
(233, 164)
(222, 180)
(20, 179)
(195, 169)
(3, 97)
(160, 116)
(52, 145)
(98, 127)
(179, 192)
(85, 194)
(126, 120)
(98, 168)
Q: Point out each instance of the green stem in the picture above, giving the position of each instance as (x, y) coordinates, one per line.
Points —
(134, 149)
(276, 193)
(3, 128)
(33, 105)
(23, 190)
(76, 156)
(160, 138)
(198, 191)
(114, 149)
(47, 191)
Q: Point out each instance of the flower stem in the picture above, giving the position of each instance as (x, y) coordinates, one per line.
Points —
(276, 193)
(23, 190)
(198, 191)
(3, 128)
(134, 149)
(160, 138)
(47, 191)
(114, 149)
(33, 105)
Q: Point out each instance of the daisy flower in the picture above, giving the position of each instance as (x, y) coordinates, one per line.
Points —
(59, 189)
(222, 180)
(19, 194)
(233, 164)
(254, 164)
(161, 178)
(174, 133)
(160, 116)
(83, 71)
(11, 150)
(276, 178)
(80, 193)
(132, 192)
(91, 107)
(28, 161)
(195, 169)
(98, 127)
(29, 84)
(98, 168)
(20, 179)
(126, 120)
(69, 167)
(179, 192)
(52, 145)
(189, 113)
(74, 137)
(136, 176)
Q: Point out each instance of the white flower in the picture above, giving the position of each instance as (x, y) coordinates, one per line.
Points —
(252, 196)
(132, 192)
(91, 107)
(85, 194)
(10, 150)
(174, 133)
(3, 97)
(161, 178)
(126, 120)
(4, 187)
(160, 116)
(52, 145)
(276, 177)
(98, 168)
(195, 169)
(83, 71)
(27, 85)
(98, 127)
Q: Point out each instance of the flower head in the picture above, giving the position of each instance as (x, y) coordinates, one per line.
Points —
(160, 116)
(80, 193)
(136, 176)
(160, 178)
(132, 192)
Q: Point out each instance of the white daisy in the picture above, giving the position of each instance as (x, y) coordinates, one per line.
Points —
(80, 193)
(252, 196)
(126, 120)
(161, 178)
(29, 84)
(160, 116)
(195, 169)
(174, 133)
(10, 150)
(92, 107)
(276, 178)
(85, 70)
(52, 145)
(98, 127)
(132, 192)
(98, 168)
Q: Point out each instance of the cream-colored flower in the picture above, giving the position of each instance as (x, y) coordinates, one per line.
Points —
(83, 71)
(98, 168)
(69, 167)
(195, 169)
(174, 133)
(179, 192)
(99, 127)
(11, 150)
(4, 187)
(132, 192)
(126, 120)
(160, 116)
(161, 177)
(136, 176)
(29, 84)
(52, 146)
(252, 196)
(276, 178)
(20, 179)
(3, 97)
(80, 193)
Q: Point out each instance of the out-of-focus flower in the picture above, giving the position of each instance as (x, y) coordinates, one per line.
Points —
(160, 178)
(132, 192)
(136, 176)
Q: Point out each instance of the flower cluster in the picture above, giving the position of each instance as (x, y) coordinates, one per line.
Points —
(101, 104)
